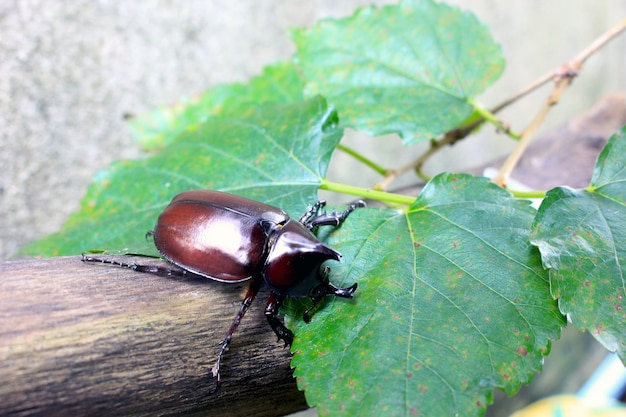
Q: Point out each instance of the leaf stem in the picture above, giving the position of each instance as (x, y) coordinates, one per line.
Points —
(368, 162)
(367, 193)
(527, 194)
(491, 118)
(416, 164)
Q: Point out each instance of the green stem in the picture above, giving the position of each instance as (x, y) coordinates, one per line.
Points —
(365, 160)
(367, 193)
(491, 118)
(527, 194)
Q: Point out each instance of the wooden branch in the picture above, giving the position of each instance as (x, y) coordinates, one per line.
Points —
(85, 339)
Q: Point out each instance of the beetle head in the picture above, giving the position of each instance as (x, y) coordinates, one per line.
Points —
(293, 267)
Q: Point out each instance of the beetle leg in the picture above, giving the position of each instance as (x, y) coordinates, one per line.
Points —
(271, 311)
(247, 301)
(332, 219)
(312, 211)
(150, 269)
(322, 290)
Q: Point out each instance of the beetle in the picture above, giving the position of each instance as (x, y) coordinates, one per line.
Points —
(231, 239)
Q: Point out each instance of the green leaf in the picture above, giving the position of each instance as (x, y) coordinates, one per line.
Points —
(582, 238)
(277, 154)
(406, 69)
(279, 83)
(452, 302)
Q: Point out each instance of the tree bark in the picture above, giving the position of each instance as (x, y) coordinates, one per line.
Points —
(82, 339)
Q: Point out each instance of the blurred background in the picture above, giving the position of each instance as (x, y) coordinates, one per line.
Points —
(71, 71)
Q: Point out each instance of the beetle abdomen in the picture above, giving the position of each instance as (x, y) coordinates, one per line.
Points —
(208, 239)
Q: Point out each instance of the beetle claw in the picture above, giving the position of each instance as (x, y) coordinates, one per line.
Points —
(284, 334)
(324, 289)
(287, 343)
(310, 221)
(215, 371)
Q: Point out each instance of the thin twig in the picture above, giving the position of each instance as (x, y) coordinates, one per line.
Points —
(461, 133)
(505, 171)
(563, 77)
(524, 91)
(417, 164)
(549, 76)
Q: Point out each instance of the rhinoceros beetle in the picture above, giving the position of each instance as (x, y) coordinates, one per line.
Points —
(231, 239)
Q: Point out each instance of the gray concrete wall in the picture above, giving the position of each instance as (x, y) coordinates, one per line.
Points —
(70, 70)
